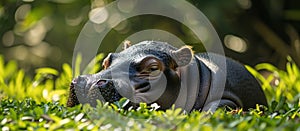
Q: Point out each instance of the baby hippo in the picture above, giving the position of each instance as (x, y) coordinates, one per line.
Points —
(156, 72)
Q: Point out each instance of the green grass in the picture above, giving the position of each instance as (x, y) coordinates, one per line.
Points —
(38, 103)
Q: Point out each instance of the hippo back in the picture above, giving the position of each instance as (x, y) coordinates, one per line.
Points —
(241, 87)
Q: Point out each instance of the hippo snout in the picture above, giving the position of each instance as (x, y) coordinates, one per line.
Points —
(79, 81)
(89, 89)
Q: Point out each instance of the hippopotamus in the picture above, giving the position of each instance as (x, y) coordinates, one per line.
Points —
(157, 72)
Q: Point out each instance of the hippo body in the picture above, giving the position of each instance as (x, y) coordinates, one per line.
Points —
(156, 72)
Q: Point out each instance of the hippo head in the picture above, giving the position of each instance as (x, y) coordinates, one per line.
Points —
(145, 72)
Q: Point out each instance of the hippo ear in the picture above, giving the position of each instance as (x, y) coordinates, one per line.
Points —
(183, 56)
(126, 44)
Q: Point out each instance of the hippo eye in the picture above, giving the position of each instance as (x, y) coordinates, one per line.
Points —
(150, 67)
(152, 71)
(153, 68)
(155, 71)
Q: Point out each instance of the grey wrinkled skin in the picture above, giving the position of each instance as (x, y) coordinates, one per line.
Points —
(189, 81)
(84, 88)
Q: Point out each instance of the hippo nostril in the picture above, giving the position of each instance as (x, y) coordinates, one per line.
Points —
(107, 90)
(102, 82)
(74, 81)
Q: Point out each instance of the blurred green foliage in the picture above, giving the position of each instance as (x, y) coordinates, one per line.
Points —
(28, 115)
(45, 31)
(48, 85)
(281, 87)
(41, 33)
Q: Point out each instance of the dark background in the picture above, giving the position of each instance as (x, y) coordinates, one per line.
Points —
(43, 33)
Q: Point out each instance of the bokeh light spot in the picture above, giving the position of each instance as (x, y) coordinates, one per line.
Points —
(97, 3)
(123, 27)
(245, 4)
(35, 35)
(41, 50)
(114, 19)
(22, 12)
(73, 20)
(98, 15)
(126, 5)
(235, 43)
(19, 53)
(8, 38)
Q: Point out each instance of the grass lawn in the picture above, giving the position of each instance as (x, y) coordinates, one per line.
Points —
(38, 103)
